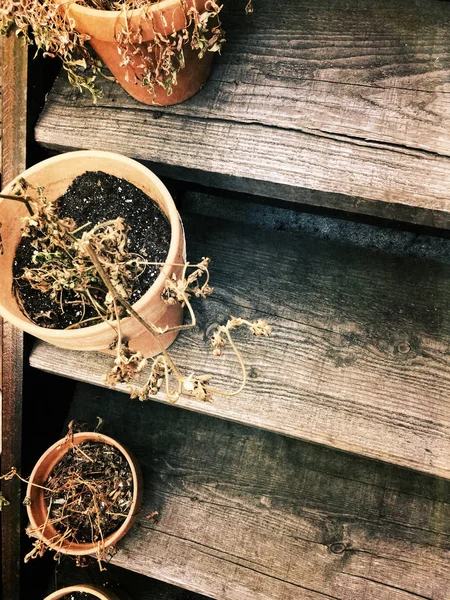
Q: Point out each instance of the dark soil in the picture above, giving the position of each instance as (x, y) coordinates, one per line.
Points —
(93, 492)
(96, 197)
(77, 596)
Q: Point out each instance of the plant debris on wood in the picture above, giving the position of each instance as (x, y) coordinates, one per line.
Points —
(56, 284)
(89, 493)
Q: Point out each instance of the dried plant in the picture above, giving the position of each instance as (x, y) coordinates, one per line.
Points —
(96, 269)
(157, 61)
(43, 24)
(88, 495)
(62, 266)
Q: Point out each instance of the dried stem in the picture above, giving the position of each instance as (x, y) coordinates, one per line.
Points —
(154, 331)
(13, 473)
(23, 199)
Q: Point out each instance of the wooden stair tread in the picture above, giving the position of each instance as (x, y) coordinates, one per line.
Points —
(246, 514)
(358, 359)
(339, 103)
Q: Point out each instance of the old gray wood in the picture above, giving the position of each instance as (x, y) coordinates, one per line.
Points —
(337, 103)
(359, 355)
(245, 514)
(13, 159)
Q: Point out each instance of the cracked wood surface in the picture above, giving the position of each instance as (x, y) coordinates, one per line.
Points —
(358, 358)
(245, 514)
(340, 103)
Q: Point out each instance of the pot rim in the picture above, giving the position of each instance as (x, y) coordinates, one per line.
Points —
(153, 291)
(112, 17)
(89, 589)
(158, 6)
(53, 456)
(165, 17)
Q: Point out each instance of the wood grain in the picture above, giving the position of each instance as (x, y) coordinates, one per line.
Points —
(342, 104)
(246, 514)
(359, 356)
(1, 79)
(14, 102)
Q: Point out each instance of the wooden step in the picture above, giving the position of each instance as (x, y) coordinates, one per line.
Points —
(245, 514)
(359, 355)
(337, 103)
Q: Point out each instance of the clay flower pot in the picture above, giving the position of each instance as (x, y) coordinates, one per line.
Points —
(163, 18)
(37, 509)
(95, 592)
(55, 175)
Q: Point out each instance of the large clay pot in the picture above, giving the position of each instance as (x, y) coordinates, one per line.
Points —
(55, 175)
(162, 18)
(37, 508)
(95, 592)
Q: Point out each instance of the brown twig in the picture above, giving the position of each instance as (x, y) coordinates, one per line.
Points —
(24, 199)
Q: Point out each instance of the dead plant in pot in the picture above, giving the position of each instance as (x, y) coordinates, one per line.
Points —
(82, 592)
(83, 284)
(160, 51)
(82, 496)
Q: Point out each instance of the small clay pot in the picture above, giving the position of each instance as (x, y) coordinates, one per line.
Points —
(96, 592)
(164, 18)
(55, 175)
(37, 509)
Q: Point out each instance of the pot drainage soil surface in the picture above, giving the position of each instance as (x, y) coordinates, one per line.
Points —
(96, 197)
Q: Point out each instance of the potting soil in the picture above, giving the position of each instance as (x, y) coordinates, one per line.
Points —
(97, 197)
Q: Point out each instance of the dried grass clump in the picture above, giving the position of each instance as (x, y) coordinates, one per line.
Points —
(42, 23)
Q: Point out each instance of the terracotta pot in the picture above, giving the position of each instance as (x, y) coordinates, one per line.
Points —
(87, 589)
(163, 18)
(56, 174)
(37, 509)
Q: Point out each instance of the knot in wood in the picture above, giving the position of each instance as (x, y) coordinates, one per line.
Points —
(337, 548)
(403, 348)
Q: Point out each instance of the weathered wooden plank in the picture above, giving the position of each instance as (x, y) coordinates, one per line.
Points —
(14, 107)
(370, 72)
(14, 102)
(246, 514)
(1, 79)
(345, 98)
(358, 359)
